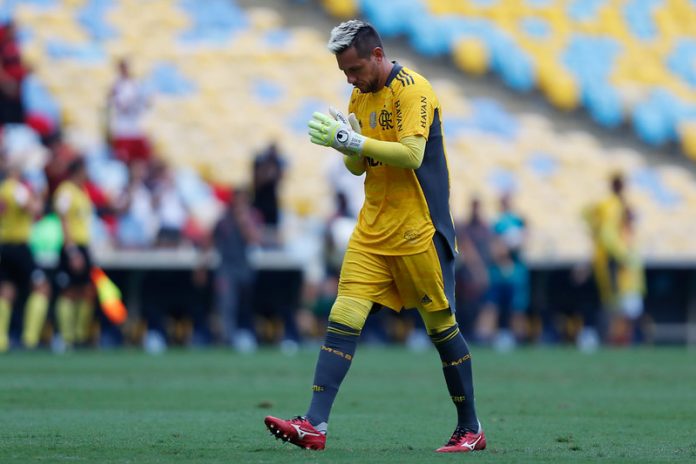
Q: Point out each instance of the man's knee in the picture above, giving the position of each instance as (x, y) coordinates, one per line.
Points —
(438, 322)
(351, 312)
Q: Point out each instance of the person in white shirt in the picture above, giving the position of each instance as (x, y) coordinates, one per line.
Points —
(127, 105)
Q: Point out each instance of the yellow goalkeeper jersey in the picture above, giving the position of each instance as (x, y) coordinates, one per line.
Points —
(403, 208)
(15, 219)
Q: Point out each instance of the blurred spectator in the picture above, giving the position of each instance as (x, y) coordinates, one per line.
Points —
(232, 236)
(44, 126)
(507, 299)
(75, 303)
(104, 206)
(339, 228)
(170, 210)
(503, 319)
(201, 301)
(349, 186)
(267, 174)
(126, 106)
(474, 237)
(320, 292)
(303, 239)
(137, 224)
(19, 207)
(567, 294)
(61, 155)
(175, 307)
(12, 74)
(313, 318)
(511, 228)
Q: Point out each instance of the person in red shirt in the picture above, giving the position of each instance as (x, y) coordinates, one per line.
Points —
(12, 74)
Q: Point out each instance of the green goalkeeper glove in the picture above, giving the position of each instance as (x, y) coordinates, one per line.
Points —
(337, 133)
(340, 117)
(352, 120)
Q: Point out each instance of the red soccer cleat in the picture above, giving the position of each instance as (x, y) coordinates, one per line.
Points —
(464, 441)
(297, 431)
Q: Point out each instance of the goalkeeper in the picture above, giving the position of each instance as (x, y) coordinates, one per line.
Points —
(401, 253)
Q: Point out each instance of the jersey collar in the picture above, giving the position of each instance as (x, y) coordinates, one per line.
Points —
(395, 70)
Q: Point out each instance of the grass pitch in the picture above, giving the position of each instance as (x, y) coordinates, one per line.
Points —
(537, 405)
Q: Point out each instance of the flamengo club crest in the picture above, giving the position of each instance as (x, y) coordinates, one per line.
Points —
(373, 119)
(385, 120)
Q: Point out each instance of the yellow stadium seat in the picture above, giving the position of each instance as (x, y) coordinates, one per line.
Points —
(471, 55)
(264, 19)
(343, 9)
(559, 87)
(687, 133)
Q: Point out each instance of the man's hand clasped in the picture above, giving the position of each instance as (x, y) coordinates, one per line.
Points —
(336, 131)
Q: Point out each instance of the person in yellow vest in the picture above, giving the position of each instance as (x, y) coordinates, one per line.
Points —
(19, 207)
(74, 306)
(605, 220)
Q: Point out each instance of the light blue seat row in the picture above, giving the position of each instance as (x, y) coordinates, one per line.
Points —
(213, 21)
(591, 59)
(655, 120)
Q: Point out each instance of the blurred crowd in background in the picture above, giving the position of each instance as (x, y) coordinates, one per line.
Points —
(140, 200)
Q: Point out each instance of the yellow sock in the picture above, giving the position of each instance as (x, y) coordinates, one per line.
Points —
(67, 316)
(5, 315)
(34, 318)
(84, 320)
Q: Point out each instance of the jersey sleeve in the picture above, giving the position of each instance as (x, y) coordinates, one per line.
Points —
(414, 106)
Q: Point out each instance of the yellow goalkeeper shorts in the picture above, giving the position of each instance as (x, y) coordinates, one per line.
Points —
(423, 281)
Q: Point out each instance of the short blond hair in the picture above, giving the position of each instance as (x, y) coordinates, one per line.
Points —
(354, 33)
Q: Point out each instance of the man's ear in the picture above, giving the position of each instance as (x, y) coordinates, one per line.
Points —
(378, 53)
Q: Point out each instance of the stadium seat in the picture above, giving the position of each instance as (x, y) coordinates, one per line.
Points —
(471, 55)
(341, 8)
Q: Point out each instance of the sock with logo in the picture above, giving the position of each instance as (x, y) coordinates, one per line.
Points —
(334, 361)
(34, 318)
(456, 365)
(5, 315)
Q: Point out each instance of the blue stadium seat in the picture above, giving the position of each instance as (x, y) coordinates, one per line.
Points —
(603, 103)
(489, 116)
(92, 17)
(584, 10)
(681, 60)
(649, 181)
(393, 17)
(516, 69)
(38, 100)
(213, 20)
(653, 119)
(639, 17)
(167, 79)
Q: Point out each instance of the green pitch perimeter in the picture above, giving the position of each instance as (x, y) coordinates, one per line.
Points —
(542, 405)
